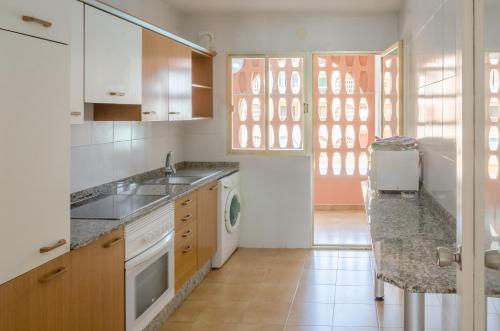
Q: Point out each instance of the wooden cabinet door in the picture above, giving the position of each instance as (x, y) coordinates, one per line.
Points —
(179, 87)
(155, 57)
(207, 223)
(47, 19)
(76, 48)
(39, 299)
(113, 53)
(35, 145)
(98, 285)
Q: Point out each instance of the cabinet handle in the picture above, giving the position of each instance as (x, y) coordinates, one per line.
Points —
(76, 113)
(187, 233)
(112, 242)
(117, 94)
(213, 188)
(149, 112)
(52, 275)
(59, 243)
(187, 202)
(186, 250)
(45, 24)
(174, 112)
(186, 218)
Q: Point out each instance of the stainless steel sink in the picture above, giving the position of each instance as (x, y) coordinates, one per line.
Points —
(175, 180)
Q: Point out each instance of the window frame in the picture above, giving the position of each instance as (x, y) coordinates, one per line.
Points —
(306, 111)
(397, 46)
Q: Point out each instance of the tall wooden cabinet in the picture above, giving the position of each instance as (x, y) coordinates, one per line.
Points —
(113, 59)
(98, 285)
(35, 145)
(39, 299)
(179, 92)
(207, 223)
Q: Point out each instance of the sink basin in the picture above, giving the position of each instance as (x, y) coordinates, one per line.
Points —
(175, 180)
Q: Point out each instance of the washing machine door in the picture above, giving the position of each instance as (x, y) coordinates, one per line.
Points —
(232, 213)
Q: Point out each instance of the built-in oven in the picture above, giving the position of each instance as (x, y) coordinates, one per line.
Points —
(149, 267)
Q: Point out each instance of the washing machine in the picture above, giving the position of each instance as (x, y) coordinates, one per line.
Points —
(229, 218)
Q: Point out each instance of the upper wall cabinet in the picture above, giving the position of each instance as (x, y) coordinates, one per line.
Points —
(180, 107)
(113, 59)
(47, 19)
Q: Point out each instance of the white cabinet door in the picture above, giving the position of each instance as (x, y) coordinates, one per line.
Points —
(113, 59)
(179, 82)
(76, 48)
(35, 152)
(48, 19)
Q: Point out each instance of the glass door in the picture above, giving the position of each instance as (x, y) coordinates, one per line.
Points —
(487, 105)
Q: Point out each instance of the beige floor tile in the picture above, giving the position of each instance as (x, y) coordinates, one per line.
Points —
(353, 263)
(322, 262)
(354, 294)
(223, 312)
(391, 315)
(259, 327)
(324, 252)
(341, 228)
(275, 293)
(355, 315)
(354, 277)
(315, 293)
(267, 312)
(282, 276)
(311, 314)
(189, 311)
(354, 328)
(307, 328)
(319, 277)
(355, 253)
(248, 276)
(216, 276)
(177, 326)
(206, 291)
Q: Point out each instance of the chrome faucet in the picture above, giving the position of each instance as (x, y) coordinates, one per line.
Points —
(169, 167)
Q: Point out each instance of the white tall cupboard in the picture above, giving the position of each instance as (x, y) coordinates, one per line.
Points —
(76, 109)
(35, 152)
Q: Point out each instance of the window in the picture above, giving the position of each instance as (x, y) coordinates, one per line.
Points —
(267, 103)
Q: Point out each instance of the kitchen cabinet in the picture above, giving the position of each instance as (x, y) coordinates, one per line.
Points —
(48, 19)
(202, 85)
(180, 86)
(39, 299)
(98, 285)
(185, 238)
(195, 231)
(207, 223)
(35, 145)
(76, 70)
(113, 59)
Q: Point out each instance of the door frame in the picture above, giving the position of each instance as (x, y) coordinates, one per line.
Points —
(312, 110)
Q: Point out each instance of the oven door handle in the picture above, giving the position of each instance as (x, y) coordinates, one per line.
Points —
(149, 253)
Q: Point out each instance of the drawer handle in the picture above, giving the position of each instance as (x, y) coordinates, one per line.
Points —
(117, 94)
(213, 188)
(76, 113)
(187, 233)
(186, 218)
(45, 24)
(148, 112)
(112, 242)
(52, 275)
(59, 243)
(174, 112)
(187, 202)
(186, 250)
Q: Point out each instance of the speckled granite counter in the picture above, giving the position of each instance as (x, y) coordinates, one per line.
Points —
(405, 234)
(85, 231)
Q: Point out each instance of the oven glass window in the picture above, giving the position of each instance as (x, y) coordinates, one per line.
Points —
(150, 284)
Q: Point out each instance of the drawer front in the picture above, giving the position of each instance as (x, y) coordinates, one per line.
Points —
(184, 236)
(185, 261)
(185, 211)
(47, 19)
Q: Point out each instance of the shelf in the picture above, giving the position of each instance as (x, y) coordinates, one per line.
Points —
(202, 86)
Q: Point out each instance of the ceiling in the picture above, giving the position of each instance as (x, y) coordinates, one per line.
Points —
(286, 6)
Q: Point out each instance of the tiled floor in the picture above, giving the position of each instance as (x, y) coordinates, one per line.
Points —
(343, 227)
(297, 290)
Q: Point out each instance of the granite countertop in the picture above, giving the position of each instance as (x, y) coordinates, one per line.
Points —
(405, 234)
(85, 231)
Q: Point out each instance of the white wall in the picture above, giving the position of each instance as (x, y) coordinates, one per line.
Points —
(276, 191)
(428, 29)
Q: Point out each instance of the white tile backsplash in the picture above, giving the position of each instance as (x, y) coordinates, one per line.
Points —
(102, 152)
